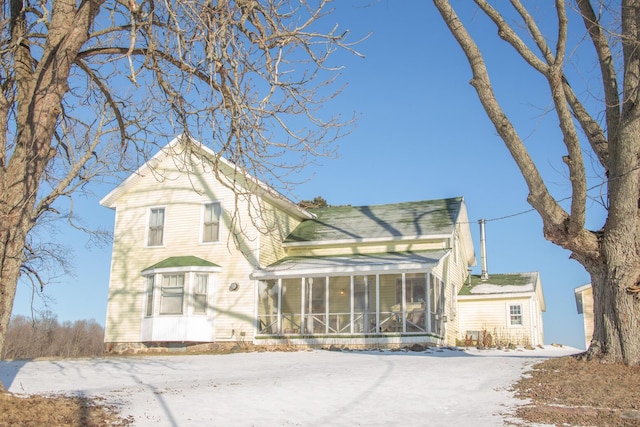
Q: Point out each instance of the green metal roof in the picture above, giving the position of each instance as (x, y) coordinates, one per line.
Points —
(182, 261)
(353, 263)
(409, 219)
(500, 284)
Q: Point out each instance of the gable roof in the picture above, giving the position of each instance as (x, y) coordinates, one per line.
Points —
(175, 147)
(409, 220)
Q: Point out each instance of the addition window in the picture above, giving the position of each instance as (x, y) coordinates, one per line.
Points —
(515, 315)
(156, 227)
(200, 294)
(172, 294)
(211, 222)
(149, 290)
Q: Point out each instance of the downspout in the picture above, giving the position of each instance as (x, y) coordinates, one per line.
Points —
(534, 327)
(257, 266)
(483, 252)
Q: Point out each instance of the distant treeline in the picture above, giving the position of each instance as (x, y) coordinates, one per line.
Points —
(44, 336)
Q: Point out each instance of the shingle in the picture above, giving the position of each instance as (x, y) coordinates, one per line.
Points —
(392, 221)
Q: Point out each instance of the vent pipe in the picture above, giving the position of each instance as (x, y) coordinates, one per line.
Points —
(483, 252)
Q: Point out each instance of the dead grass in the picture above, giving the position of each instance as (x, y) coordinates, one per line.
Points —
(570, 392)
(36, 411)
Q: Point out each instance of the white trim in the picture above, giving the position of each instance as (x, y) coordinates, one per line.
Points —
(258, 239)
(533, 328)
(341, 271)
(496, 296)
(582, 288)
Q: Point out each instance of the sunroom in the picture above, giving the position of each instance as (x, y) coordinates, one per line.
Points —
(390, 298)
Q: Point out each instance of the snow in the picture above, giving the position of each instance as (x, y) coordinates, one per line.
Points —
(488, 288)
(437, 387)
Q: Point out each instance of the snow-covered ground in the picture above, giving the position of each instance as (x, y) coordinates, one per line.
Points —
(438, 387)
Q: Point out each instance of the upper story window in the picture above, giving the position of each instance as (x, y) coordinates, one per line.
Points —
(515, 315)
(211, 222)
(156, 227)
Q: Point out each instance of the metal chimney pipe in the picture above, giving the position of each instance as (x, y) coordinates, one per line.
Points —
(483, 252)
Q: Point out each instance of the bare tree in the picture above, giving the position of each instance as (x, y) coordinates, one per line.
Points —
(87, 86)
(611, 255)
(44, 336)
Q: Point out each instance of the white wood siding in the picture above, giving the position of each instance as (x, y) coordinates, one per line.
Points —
(587, 312)
(182, 195)
(276, 226)
(492, 315)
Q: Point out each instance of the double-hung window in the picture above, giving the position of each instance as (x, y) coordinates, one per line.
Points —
(211, 222)
(149, 302)
(156, 227)
(172, 295)
(515, 315)
(200, 294)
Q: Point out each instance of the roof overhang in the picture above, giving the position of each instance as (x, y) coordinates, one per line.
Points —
(389, 262)
(505, 295)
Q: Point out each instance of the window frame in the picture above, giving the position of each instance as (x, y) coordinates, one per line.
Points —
(195, 293)
(511, 315)
(164, 287)
(188, 290)
(413, 284)
(162, 227)
(149, 295)
(204, 223)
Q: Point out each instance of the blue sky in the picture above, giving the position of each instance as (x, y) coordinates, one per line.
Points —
(422, 134)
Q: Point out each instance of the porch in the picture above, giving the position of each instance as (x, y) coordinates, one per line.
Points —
(386, 307)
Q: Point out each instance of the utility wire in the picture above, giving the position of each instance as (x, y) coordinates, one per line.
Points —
(500, 218)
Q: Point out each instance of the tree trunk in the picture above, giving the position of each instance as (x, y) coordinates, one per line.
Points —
(616, 289)
(616, 318)
(16, 223)
(39, 95)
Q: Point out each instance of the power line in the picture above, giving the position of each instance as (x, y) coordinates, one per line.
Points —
(528, 210)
